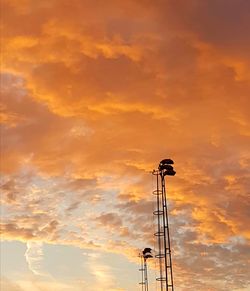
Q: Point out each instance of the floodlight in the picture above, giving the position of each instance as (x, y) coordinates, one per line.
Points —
(169, 173)
(165, 167)
(167, 161)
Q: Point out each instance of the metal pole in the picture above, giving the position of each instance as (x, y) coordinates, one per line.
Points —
(142, 274)
(164, 230)
(168, 237)
(158, 212)
(146, 274)
(159, 231)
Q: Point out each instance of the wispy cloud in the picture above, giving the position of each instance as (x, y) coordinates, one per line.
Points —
(34, 257)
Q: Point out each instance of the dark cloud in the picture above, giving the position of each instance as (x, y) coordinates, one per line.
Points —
(110, 220)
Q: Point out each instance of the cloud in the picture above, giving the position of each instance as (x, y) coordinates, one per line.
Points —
(8, 285)
(110, 219)
(34, 257)
(28, 284)
(94, 96)
(211, 22)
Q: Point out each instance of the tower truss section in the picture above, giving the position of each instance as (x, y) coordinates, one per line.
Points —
(162, 234)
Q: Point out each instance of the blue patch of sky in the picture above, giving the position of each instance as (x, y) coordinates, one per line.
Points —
(67, 263)
(64, 262)
(13, 262)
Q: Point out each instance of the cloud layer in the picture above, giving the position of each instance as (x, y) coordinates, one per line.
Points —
(95, 94)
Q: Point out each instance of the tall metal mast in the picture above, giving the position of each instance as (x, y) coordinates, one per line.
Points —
(163, 237)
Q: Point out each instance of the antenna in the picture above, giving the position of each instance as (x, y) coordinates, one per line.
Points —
(163, 237)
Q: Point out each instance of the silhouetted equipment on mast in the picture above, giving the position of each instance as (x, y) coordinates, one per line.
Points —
(147, 253)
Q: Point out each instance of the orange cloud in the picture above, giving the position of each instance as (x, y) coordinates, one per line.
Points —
(96, 94)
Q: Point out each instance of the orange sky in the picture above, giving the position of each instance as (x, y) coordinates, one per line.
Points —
(94, 95)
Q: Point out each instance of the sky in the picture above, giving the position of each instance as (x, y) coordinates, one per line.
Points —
(94, 94)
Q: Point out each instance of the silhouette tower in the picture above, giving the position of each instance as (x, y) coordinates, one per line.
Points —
(146, 254)
(163, 255)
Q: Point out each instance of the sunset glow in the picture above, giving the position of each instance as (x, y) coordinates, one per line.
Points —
(94, 94)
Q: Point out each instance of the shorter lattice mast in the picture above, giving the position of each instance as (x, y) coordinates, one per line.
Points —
(146, 254)
(162, 234)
